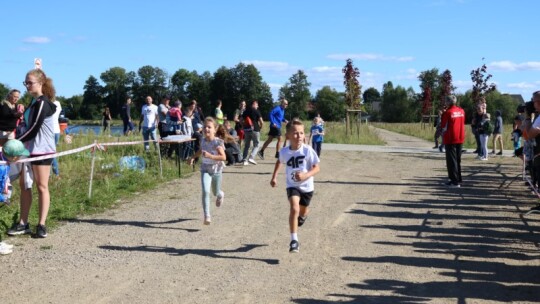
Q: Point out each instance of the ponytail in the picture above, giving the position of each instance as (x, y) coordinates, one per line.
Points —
(47, 83)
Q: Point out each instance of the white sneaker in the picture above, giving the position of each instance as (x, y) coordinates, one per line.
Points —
(483, 158)
(5, 245)
(207, 220)
(245, 163)
(252, 161)
(4, 250)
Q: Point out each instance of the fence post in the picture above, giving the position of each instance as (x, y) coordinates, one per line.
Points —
(92, 169)
(158, 145)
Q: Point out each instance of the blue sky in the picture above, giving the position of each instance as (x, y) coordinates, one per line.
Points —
(388, 40)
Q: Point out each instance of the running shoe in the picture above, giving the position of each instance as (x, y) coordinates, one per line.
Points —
(5, 246)
(19, 229)
(207, 220)
(252, 161)
(41, 231)
(294, 247)
(220, 199)
(261, 154)
(301, 220)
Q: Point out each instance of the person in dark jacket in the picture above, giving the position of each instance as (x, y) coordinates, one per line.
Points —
(10, 115)
(497, 133)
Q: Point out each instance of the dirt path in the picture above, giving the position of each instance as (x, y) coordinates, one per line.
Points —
(382, 230)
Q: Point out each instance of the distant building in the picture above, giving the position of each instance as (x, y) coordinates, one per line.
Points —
(516, 97)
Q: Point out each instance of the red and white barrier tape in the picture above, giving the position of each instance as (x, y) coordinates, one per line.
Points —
(99, 146)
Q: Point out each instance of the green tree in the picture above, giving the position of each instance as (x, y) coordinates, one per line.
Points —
(180, 82)
(4, 90)
(150, 81)
(297, 93)
(116, 89)
(92, 99)
(398, 104)
(370, 96)
(330, 104)
(242, 82)
(72, 106)
(200, 88)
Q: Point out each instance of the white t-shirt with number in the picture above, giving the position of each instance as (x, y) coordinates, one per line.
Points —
(301, 160)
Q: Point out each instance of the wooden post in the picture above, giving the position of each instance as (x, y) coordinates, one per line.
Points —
(92, 169)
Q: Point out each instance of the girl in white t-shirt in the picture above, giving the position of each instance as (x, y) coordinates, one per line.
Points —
(212, 150)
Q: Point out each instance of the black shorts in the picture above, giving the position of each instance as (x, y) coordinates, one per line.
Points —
(274, 131)
(305, 197)
(43, 162)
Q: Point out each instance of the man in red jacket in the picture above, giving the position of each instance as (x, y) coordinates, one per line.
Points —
(453, 126)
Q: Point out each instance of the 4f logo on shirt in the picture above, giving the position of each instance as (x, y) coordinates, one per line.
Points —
(295, 162)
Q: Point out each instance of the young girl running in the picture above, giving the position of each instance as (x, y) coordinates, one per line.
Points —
(212, 151)
(302, 164)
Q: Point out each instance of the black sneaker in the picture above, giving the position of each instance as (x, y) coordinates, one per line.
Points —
(301, 220)
(19, 229)
(261, 154)
(500, 153)
(294, 247)
(277, 154)
(41, 231)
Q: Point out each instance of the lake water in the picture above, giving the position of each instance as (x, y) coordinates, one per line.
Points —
(85, 129)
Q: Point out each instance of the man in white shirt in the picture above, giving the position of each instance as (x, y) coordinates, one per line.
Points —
(149, 120)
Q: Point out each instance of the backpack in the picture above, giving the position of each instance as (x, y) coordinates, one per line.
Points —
(488, 127)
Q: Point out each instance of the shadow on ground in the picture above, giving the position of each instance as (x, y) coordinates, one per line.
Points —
(476, 237)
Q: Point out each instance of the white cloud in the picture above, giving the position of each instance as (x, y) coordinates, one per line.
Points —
(37, 40)
(507, 65)
(370, 57)
(523, 85)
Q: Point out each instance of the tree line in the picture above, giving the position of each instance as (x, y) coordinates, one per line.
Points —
(244, 82)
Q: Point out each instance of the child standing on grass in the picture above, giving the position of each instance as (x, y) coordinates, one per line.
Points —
(212, 150)
(302, 163)
(316, 135)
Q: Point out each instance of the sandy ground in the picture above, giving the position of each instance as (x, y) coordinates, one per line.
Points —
(382, 229)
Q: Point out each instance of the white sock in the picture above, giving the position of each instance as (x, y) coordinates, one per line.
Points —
(294, 236)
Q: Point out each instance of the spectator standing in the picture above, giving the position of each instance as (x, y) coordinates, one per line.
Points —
(498, 133)
(106, 119)
(218, 113)
(10, 116)
(238, 121)
(453, 126)
(252, 124)
(485, 131)
(163, 112)
(277, 117)
(56, 129)
(125, 112)
(149, 121)
(39, 140)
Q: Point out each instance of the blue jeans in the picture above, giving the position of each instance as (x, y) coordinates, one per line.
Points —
(55, 161)
(209, 182)
(248, 137)
(317, 145)
(147, 133)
